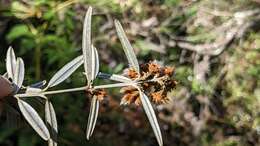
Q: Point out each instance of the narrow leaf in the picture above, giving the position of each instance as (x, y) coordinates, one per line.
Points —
(114, 85)
(95, 63)
(19, 73)
(151, 117)
(38, 84)
(86, 45)
(10, 62)
(128, 49)
(50, 117)
(31, 90)
(65, 71)
(114, 77)
(34, 119)
(94, 107)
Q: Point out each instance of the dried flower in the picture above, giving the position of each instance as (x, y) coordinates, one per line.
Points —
(154, 79)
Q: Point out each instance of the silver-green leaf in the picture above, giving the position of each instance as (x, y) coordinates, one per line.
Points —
(95, 64)
(66, 71)
(34, 119)
(38, 84)
(115, 77)
(94, 107)
(50, 117)
(10, 62)
(19, 73)
(151, 117)
(128, 49)
(86, 45)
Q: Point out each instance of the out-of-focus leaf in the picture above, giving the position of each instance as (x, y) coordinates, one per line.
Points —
(151, 117)
(128, 49)
(92, 116)
(34, 119)
(17, 32)
(65, 71)
(10, 62)
(114, 77)
(19, 73)
(95, 63)
(51, 120)
(86, 45)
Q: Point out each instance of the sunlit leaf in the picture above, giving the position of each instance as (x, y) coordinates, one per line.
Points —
(65, 71)
(34, 119)
(92, 116)
(86, 45)
(50, 117)
(151, 117)
(10, 62)
(114, 77)
(128, 49)
(19, 73)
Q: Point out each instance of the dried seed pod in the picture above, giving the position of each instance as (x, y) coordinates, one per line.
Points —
(6, 87)
(132, 74)
(155, 80)
(153, 68)
(168, 71)
(131, 95)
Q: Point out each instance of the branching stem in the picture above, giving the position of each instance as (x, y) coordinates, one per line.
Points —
(74, 89)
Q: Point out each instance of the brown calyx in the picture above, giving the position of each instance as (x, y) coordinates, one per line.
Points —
(156, 81)
(99, 93)
(131, 95)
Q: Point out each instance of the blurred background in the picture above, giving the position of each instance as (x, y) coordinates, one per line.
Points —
(214, 46)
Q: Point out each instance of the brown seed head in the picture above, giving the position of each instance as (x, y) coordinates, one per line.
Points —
(132, 74)
(155, 80)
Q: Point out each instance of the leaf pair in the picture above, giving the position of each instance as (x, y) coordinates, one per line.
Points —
(15, 69)
(34, 119)
(129, 51)
(91, 66)
(37, 124)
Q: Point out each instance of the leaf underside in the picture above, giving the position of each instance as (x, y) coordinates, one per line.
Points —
(19, 73)
(50, 117)
(94, 107)
(10, 62)
(115, 77)
(151, 117)
(128, 49)
(34, 119)
(86, 45)
(66, 71)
